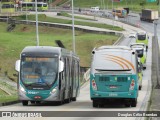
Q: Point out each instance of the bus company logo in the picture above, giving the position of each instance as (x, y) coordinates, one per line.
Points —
(32, 92)
(6, 114)
(20, 114)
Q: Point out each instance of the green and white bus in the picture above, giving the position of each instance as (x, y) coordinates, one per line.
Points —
(30, 6)
(47, 74)
(142, 37)
(114, 75)
(141, 49)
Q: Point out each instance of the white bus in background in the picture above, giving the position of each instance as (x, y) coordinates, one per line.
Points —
(94, 9)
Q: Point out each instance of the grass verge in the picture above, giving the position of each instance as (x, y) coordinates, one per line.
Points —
(12, 43)
(44, 18)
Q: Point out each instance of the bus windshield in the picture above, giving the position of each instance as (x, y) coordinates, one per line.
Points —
(44, 5)
(7, 6)
(141, 37)
(39, 71)
(39, 5)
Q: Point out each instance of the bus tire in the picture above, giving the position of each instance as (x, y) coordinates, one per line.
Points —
(67, 100)
(127, 104)
(38, 102)
(134, 102)
(95, 104)
(25, 103)
(140, 87)
(33, 102)
(74, 99)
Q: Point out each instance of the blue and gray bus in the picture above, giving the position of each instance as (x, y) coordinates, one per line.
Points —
(47, 74)
(114, 75)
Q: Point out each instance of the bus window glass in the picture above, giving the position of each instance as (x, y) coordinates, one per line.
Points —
(7, 6)
(39, 5)
(44, 5)
(39, 70)
(141, 37)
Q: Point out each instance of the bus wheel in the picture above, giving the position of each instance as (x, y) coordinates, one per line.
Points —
(25, 103)
(38, 102)
(74, 99)
(33, 102)
(67, 100)
(95, 104)
(101, 105)
(127, 104)
(134, 102)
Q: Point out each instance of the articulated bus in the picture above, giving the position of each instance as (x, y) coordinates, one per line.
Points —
(30, 6)
(47, 74)
(7, 7)
(142, 37)
(114, 75)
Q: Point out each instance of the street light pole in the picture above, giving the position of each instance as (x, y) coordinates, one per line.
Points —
(37, 33)
(73, 29)
(113, 15)
(26, 14)
(159, 7)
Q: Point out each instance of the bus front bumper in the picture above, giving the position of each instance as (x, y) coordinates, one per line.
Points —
(98, 94)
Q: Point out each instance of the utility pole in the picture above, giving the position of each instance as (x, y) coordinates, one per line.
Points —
(104, 6)
(113, 15)
(159, 6)
(26, 14)
(37, 33)
(73, 29)
(0, 6)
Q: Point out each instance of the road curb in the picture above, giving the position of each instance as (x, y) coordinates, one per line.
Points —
(9, 103)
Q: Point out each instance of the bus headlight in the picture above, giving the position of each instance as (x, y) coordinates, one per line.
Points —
(54, 90)
(22, 89)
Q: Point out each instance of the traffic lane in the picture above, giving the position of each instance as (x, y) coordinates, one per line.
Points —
(127, 41)
(84, 102)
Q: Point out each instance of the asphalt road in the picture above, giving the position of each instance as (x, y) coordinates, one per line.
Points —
(84, 103)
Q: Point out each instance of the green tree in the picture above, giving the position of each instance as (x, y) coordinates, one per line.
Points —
(142, 4)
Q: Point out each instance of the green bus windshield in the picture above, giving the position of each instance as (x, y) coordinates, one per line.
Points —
(39, 71)
(141, 37)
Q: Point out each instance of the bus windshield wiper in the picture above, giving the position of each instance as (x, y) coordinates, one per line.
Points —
(113, 70)
(37, 83)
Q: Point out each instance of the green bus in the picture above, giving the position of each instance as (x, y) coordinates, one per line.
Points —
(142, 37)
(8, 7)
(30, 6)
(114, 75)
(47, 74)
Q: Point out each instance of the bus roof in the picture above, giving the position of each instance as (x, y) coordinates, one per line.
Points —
(141, 33)
(113, 47)
(41, 49)
(45, 51)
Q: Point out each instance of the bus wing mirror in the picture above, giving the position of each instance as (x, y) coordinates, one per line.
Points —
(61, 66)
(17, 66)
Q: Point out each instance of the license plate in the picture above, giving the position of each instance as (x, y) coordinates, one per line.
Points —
(113, 94)
(112, 87)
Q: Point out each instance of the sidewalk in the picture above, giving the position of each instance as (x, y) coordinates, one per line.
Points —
(155, 97)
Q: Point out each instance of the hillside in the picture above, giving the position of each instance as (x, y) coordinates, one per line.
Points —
(132, 4)
(12, 43)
